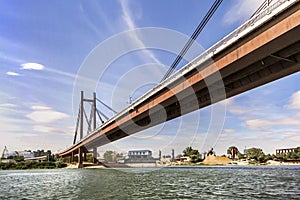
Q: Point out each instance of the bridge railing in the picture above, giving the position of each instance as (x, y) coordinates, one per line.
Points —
(267, 8)
(257, 20)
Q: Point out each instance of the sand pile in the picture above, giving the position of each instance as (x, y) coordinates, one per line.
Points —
(216, 160)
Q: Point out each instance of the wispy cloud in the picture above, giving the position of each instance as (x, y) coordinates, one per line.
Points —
(32, 66)
(93, 14)
(9, 73)
(129, 21)
(44, 114)
(241, 10)
(285, 120)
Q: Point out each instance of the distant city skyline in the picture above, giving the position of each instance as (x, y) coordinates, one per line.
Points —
(43, 46)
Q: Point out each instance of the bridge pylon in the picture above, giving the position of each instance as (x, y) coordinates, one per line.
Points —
(91, 122)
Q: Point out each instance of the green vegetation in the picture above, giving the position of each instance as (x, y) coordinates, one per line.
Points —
(291, 155)
(192, 153)
(232, 149)
(32, 165)
(112, 156)
(256, 155)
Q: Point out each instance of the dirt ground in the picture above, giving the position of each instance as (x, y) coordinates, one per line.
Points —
(216, 160)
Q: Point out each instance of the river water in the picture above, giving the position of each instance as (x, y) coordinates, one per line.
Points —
(166, 183)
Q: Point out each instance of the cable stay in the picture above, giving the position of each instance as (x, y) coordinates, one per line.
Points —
(192, 38)
(87, 121)
(77, 126)
(263, 6)
(91, 116)
(99, 116)
(101, 113)
(106, 106)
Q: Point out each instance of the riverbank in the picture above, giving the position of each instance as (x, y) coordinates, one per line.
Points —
(209, 161)
(212, 160)
(31, 165)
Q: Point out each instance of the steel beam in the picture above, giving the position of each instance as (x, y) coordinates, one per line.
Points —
(81, 114)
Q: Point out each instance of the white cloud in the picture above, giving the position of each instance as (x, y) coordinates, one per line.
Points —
(229, 130)
(294, 101)
(46, 129)
(40, 108)
(263, 124)
(241, 10)
(8, 105)
(9, 73)
(233, 107)
(32, 66)
(43, 114)
(227, 102)
(287, 121)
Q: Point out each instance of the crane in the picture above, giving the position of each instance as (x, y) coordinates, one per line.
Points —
(5, 151)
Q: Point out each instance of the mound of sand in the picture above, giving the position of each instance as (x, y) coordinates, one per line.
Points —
(216, 160)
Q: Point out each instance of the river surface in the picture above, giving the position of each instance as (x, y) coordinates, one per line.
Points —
(166, 183)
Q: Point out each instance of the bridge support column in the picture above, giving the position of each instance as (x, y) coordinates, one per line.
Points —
(80, 157)
(72, 157)
(84, 157)
(95, 161)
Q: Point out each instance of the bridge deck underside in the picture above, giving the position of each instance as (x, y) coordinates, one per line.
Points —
(268, 69)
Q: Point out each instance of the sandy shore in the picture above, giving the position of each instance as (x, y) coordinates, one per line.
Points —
(273, 162)
(85, 165)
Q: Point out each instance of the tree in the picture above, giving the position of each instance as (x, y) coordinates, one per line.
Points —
(269, 157)
(192, 153)
(240, 155)
(233, 151)
(256, 154)
(18, 158)
(108, 156)
(112, 156)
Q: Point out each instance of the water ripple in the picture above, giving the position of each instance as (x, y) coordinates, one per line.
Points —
(167, 183)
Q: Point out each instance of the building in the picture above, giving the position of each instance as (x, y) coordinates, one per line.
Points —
(37, 159)
(140, 154)
(285, 151)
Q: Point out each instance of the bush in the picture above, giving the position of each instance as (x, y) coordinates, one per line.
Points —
(32, 165)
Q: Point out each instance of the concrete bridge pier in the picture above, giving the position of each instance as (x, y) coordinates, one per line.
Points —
(84, 157)
(95, 161)
(80, 157)
(72, 157)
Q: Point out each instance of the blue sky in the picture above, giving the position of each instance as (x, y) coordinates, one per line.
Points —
(43, 47)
